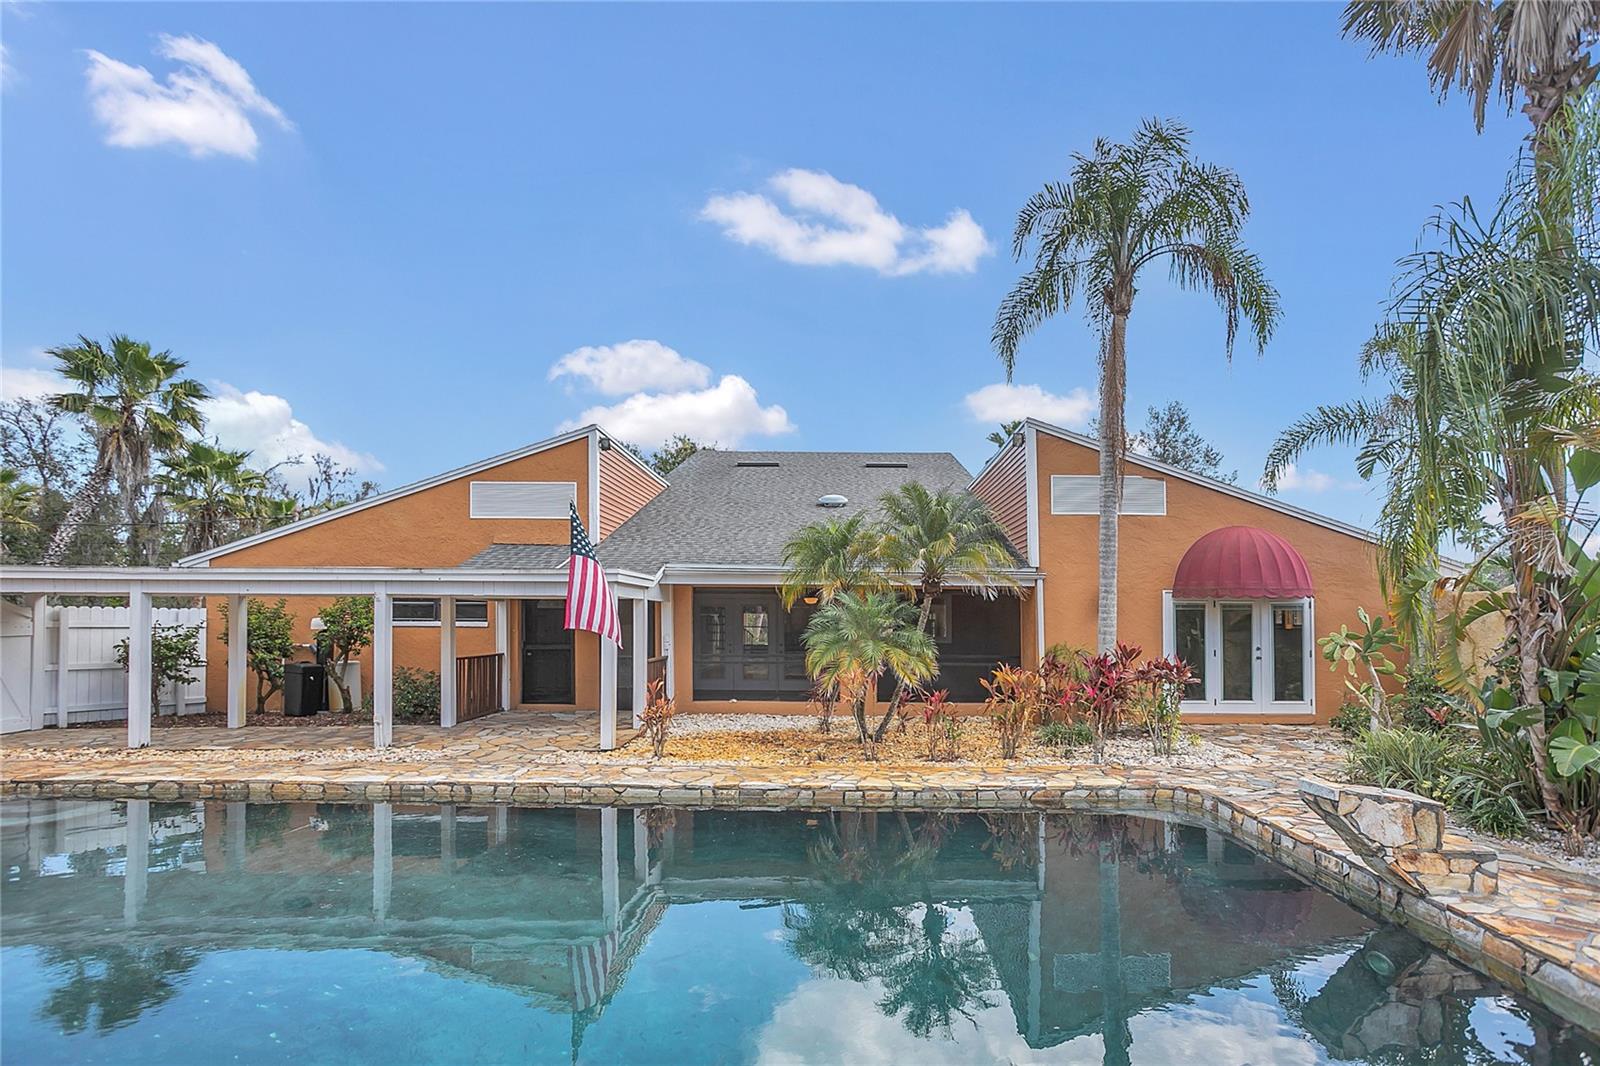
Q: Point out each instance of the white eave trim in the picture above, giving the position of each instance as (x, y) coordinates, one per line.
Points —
(592, 432)
(287, 581)
(714, 574)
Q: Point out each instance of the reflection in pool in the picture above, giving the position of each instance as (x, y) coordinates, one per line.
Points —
(327, 933)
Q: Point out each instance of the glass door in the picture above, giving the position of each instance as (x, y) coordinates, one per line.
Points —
(1239, 652)
(546, 652)
(1246, 655)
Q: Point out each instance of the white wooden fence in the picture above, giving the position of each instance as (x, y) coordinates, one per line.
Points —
(81, 670)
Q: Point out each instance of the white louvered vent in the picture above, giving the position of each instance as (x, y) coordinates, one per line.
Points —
(522, 499)
(1080, 494)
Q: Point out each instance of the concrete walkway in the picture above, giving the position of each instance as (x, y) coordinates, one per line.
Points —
(1538, 934)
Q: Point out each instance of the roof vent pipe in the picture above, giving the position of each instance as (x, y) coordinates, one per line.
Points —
(832, 499)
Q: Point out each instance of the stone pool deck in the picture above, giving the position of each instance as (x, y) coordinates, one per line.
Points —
(1539, 934)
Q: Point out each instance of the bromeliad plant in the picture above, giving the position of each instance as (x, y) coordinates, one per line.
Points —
(1364, 649)
(1015, 698)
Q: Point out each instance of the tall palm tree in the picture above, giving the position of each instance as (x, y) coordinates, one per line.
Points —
(830, 557)
(1125, 207)
(214, 490)
(933, 539)
(17, 499)
(137, 407)
(1539, 49)
(856, 636)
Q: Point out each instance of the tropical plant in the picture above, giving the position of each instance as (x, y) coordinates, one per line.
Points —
(1060, 669)
(269, 642)
(656, 721)
(1002, 436)
(941, 733)
(137, 408)
(1536, 48)
(1064, 736)
(855, 637)
(1123, 208)
(1476, 780)
(1166, 680)
(1015, 699)
(346, 630)
(1364, 654)
(933, 539)
(215, 492)
(830, 557)
(19, 502)
(174, 656)
(1109, 687)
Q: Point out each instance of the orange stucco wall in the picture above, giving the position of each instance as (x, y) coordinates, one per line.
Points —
(429, 528)
(1343, 567)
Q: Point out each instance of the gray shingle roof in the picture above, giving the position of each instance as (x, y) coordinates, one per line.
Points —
(721, 511)
(519, 557)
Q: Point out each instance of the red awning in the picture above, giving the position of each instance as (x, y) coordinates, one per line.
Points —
(1241, 561)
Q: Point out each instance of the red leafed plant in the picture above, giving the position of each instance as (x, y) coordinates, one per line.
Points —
(1015, 697)
(940, 732)
(1109, 687)
(1166, 680)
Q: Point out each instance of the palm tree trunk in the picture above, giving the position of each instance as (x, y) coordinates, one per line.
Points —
(1113, 390)
(87, 499)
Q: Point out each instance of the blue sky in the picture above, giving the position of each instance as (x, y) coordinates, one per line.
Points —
(377, 228)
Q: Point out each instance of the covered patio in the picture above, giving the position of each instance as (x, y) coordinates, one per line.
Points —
(140, 586)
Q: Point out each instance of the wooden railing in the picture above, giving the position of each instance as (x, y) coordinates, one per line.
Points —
(477, 686)
(656, 669)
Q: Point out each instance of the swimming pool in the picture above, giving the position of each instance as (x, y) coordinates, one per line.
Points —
(333, 933)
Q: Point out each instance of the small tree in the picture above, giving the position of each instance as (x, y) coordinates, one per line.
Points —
(347, 631)
(269, 642)
(174, 653)
(1365, 648)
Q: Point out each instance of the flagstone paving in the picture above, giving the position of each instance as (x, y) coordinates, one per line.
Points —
(1539, 934)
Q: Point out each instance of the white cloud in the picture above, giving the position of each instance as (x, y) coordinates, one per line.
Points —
(1005, 402)
(204, 106)
(725, 414)
(1292, 478)
(632, 366)
(831, 222)
(265, 424)
(28, 383)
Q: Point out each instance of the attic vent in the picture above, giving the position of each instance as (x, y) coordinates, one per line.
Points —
(756, 462)
(832, 499)
(886, 466)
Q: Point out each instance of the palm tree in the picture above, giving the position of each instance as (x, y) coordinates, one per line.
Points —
(1123, 208)
(17, 500)
(137, 408)
(830, 557)
(856, 636)
(1538, 48)
(214, 490)
(934, 539)
(1002, 436)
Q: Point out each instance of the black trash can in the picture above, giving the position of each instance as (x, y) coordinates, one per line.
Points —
(305, 689)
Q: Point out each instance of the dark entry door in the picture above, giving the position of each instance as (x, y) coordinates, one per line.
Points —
(546, 653)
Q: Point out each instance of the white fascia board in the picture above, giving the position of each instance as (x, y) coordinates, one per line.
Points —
(589, 431)
(713, 574)
(285, 581)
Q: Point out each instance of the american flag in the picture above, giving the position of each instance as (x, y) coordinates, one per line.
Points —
(590, 604)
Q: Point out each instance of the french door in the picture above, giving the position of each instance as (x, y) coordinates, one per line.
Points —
(1248, 656)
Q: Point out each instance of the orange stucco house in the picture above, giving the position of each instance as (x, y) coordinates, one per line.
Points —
(1236, 583)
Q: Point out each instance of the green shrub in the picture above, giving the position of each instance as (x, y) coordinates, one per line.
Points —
(1066, 735)
(1423, 703)
(416, 695)
(1477, 783)
(1352, 718)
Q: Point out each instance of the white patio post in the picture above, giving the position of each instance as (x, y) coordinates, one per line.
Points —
(641, 657)
(447, 838)
(63, 665)
(138, 667)
(502, 648)
(382, 669)
(666, 644)
(136, 870)
(39, 661)
(608, 694)
(447, 661)
(382, 858)
(610, 881)
(238, 657)
(641, 846)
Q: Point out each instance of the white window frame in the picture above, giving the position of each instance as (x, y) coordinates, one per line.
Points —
(1261, 628)
(406, 623)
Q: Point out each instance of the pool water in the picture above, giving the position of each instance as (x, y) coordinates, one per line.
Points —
(182, 933)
